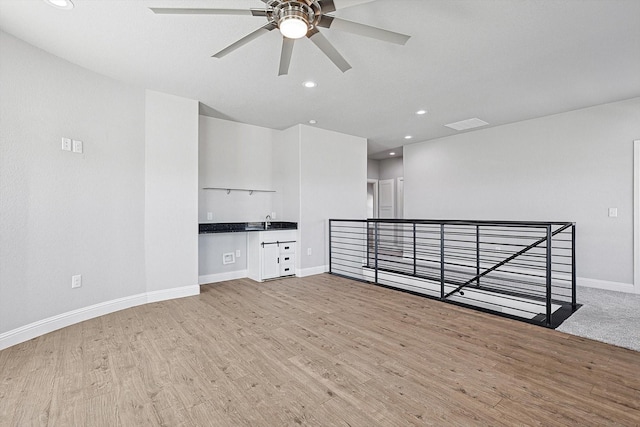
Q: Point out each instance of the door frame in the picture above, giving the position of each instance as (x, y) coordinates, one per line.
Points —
(375, 195)
(636, 216)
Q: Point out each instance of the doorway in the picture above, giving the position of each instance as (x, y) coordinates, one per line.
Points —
(372, 198)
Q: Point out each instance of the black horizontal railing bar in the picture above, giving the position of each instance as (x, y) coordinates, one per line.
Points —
(513, 296)
(349, 243)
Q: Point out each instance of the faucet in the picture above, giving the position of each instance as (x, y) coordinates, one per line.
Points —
(266, 223)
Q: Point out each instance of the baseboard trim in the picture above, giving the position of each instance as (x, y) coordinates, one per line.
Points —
(53, 323)
(174, 293)
(222, 277)
(312, 271)
(606, 285)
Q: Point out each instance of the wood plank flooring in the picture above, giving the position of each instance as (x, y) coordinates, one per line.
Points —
(319, 351)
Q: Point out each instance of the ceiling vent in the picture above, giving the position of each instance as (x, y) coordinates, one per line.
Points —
(467, 124)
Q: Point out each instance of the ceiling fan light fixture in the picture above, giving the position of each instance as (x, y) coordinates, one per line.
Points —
(293, 26)
(294, 19)
(60, 4)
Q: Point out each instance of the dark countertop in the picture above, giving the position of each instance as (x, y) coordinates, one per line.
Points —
(240, 227)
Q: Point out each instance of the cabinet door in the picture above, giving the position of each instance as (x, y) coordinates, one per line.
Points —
(270, 265)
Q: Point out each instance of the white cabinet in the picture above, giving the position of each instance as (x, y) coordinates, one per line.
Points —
(271, 254)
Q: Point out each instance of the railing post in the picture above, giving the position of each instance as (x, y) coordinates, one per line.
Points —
(441, 261)
(478, 256)
(368, 233)
(415, 266)
(330, 270)
(574, 304)
(548, 267)
(375, 250)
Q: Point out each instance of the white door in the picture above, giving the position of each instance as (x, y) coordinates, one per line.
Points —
(270, 262)
(386, 198)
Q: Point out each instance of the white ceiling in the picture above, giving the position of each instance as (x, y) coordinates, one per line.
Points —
(498, 60)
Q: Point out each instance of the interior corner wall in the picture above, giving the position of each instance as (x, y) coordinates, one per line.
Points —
(64, 213)
(333, 184)
(171, 193)
(373, 169)
(232, 155)
(566, 167)
(286, 174)
(391, 168)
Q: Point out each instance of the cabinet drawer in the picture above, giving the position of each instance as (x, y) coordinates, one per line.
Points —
(287, 248)
(287, 269)
(287, 258)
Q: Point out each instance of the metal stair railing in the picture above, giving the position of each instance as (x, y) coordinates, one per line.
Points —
(462, 262)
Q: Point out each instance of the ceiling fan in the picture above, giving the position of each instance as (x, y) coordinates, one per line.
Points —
(296, 19)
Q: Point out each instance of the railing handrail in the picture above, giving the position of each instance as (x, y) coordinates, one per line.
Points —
(459, 222)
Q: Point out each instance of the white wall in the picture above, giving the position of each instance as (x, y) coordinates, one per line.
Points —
(235, 155)
(286, 173)
(373, 169)
(333, 184)
(565, 167)
(171, 192)
(316, 175)
(62, 213)
(391, 168)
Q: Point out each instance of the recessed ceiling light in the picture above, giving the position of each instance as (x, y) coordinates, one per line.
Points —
(309, 84)
(312, 122)
(60, 4)
(421, 112)
(408, 137)
(392, 153)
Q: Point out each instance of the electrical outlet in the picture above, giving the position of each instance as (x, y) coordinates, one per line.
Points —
(613, 212)
(76, 281)
(228, 258)
(308, 251)
(209, 216)
(237, 253)
(77, 146)
(66, 144)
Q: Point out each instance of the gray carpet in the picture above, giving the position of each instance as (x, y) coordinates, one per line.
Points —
(607, 316)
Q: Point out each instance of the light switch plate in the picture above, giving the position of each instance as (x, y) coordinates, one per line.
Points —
(209, 216)
(613, 212)
(76, 281)
(77, 146)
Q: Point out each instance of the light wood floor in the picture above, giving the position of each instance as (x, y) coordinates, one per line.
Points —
(320, 351)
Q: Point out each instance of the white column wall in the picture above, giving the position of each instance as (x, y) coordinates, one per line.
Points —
(171, 193)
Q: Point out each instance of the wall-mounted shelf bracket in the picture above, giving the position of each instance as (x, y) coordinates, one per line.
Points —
(229, 190)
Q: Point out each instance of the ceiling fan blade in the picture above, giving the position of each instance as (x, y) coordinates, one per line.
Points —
(285, 56)
(325, 46)
(362, 30)
(180, 11)
(246, 39)
(329, 6)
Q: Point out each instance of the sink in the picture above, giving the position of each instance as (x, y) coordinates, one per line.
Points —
(255, 226)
